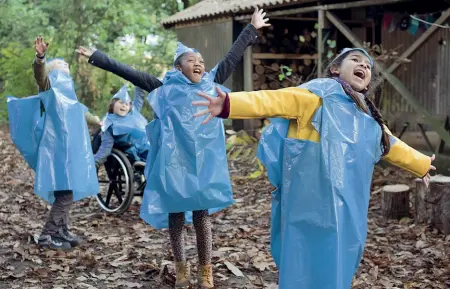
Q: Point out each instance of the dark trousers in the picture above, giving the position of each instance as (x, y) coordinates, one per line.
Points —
(59, 213)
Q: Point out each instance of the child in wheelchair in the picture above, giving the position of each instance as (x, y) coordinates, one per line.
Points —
(123, 128)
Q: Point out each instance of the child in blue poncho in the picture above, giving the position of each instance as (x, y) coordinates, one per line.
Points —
(50, 131)
(320, 151)
(124, 126)
(187, 174)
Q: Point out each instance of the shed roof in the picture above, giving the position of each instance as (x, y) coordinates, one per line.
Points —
(214, 8)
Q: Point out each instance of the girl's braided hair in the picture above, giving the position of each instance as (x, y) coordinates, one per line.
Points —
(368, 105)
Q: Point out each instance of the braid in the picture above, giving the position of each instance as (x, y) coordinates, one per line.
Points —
(385, 143)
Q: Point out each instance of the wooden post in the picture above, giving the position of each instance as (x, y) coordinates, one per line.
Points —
(320, 44)
(395, 201)
(395, 82)
(248, 69)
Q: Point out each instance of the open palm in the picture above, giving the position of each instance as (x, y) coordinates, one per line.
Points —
(214, 104)
(258, 20)
(40, 46)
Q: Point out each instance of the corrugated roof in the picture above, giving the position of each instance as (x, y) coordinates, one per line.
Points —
(211, 8)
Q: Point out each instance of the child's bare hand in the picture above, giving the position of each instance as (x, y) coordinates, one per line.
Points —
(40, 46)
(87, 52)
(427, 177)
(258, 20)
(214, 104)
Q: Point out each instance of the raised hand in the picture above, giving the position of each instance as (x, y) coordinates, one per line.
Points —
(258, 20)
(86, 52)
(427, 177)
(214, 104)
(40, 46)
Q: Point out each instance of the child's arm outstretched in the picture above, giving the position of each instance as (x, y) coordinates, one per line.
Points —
(139, 98)
(247, 37)
(141, 79)
(290, 103)
(294, 102)
(409, 159)
(39, 66)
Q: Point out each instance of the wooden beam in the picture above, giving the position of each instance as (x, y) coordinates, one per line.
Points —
(320, 44)
(394, 81)
(421, 40)
(339, 6)
(248, 69)
(284, 56)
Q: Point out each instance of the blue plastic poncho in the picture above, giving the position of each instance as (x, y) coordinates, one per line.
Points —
(129, 131)
(320, 205)
(186, 168)
(56, 143)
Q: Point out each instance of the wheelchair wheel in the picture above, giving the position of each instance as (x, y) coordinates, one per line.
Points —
(116, 180)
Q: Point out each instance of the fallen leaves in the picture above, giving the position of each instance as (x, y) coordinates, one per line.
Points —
(124, 252)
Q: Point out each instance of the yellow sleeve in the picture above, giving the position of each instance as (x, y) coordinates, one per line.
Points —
(290, 103)
(407, 158)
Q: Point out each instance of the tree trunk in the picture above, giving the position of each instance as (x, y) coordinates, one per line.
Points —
(395, 201)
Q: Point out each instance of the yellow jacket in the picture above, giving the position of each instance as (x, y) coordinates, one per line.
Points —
(299, 105)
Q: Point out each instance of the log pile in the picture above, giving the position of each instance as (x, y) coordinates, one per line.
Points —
(286, 51)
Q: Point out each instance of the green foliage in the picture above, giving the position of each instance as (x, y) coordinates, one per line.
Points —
(65, 25)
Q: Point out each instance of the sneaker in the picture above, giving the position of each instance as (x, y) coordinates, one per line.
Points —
(67, 236)
(53, 242)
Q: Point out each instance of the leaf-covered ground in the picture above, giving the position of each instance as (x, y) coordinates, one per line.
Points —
(124, 252)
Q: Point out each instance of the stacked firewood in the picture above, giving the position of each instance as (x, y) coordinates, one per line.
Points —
(283, 57)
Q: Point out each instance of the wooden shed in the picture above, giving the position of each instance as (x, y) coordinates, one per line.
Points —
(413, 51)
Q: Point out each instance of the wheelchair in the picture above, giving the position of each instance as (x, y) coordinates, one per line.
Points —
(120, 178)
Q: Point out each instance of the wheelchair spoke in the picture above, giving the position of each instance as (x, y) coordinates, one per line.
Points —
(109, 194)
(118, 195)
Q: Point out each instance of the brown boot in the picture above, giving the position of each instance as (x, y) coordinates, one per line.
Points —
(205, 277)
(183, 275)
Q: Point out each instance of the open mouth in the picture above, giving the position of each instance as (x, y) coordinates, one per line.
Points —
(197, 71)
(360, 74)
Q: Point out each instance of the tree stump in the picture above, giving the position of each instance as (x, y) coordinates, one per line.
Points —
(439, 198)
(395, 201)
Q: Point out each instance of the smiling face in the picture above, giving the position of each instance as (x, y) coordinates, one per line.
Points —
(355, 69)
(192, 66)
(121, 108)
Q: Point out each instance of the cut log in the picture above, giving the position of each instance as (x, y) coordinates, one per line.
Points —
(255, 76)
(293, 67)
(439, 198)
(264, 86)
(259, 69)
(395, 201)
(275, 66)
(307, 62)
(286, 83)
(274, 85)
(256, 62)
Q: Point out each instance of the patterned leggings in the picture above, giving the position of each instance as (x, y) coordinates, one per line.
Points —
(202, 225)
